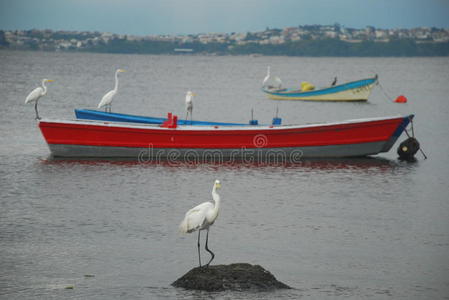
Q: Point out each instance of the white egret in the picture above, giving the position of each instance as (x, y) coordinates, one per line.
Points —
(36, 94)
(270, 82)
(266, 77)
(202, 217)
(189, 104)
(106, 101)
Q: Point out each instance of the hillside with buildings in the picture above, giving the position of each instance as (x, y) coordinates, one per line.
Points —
(307, 40)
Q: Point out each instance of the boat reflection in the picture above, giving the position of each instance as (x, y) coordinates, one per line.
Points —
(362, 163)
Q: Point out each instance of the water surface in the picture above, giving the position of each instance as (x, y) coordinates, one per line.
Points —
(351, 228)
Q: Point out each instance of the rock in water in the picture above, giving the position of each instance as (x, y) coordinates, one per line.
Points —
(238, 277)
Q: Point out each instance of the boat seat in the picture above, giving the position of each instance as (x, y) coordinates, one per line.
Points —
(171, 122)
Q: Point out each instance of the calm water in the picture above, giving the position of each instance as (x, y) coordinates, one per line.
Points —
(357, 228)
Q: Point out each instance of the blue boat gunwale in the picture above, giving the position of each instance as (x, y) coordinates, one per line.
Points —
(90, 114)
(328, 90)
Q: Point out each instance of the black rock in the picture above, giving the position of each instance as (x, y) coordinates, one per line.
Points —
(237, 277)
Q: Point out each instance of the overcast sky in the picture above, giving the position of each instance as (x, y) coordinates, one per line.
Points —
(142, 17)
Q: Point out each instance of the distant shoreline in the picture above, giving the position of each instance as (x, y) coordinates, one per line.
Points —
(440, 53)
(318, 41)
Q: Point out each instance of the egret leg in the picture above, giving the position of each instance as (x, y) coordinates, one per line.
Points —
(187, 113)
(199, 255)
(35, 108)
(191, 113)
(208, 250)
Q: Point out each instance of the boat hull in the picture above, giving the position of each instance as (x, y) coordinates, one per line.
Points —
(345, 139)
(219, 155)
(359, 90)
(105, 139)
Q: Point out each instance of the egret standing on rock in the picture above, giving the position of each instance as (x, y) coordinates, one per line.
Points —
(106, 101)
(202, 217)
(36, 94)
(189, 104)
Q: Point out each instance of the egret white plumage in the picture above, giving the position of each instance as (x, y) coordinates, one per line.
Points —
(36, 94)
(201, 217)
(106, 101)
(189, 104)
(266, 77)
(270, 82)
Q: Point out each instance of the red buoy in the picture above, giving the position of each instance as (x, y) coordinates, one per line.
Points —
(401, 99)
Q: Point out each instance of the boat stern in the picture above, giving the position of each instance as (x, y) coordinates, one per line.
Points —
(397, 133)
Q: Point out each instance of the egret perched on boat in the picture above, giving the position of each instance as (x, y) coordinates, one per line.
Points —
(271, 82)
(266, 77)
(189, 104)
(106, 101)
(201, 217)
(36, 94)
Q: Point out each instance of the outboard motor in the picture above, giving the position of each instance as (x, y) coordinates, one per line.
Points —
(408, 148)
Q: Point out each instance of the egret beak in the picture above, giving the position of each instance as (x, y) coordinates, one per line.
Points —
(50, 80)
(121, 70)
(194, 94)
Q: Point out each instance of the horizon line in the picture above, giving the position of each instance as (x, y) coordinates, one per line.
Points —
(267, 28)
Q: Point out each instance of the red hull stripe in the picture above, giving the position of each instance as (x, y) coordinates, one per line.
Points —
(112, 135)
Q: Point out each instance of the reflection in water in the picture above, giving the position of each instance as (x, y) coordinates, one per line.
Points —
(361, 163)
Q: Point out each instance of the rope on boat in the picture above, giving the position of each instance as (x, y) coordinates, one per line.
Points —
(399, 99)
(413, 136)
(408, 148)
(384, 92)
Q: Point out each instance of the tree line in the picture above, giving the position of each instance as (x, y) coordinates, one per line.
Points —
(326, 47)
(321, 47)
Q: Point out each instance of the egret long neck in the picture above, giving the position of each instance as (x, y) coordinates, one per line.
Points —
(44, 87)
(216, 198)
(116, 81)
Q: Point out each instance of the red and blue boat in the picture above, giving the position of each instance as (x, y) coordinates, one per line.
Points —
(353, 138)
